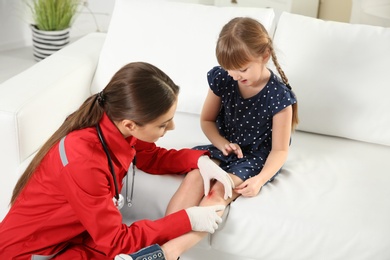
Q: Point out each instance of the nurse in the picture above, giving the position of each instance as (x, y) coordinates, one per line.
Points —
(65, 205)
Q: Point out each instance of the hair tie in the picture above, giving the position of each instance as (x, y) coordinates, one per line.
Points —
(100, 98)
(288, 86)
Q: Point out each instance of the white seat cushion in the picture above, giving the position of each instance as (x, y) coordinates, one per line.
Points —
(327, 202)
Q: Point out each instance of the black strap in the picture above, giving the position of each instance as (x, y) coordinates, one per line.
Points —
(105, 148)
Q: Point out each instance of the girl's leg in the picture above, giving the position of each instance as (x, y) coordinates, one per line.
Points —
(175, 247)
(189, 193)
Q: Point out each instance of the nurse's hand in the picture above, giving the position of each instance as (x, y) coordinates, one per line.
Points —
(205, 219)
(209, 171)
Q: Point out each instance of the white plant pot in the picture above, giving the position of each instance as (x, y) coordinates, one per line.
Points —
(45, 43)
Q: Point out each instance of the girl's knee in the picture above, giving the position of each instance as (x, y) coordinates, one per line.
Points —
(192, 181)
(217, 192)
(193, 178)
(215, 196)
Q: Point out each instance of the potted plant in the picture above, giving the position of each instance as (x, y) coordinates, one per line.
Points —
(52, 20)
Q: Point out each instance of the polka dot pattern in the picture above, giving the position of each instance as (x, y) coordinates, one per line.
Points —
(246, 121)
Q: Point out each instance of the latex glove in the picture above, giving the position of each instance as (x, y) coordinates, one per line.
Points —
(205, 219)
(210, 170)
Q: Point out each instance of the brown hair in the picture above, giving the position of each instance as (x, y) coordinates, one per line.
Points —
(138, 91)
(240, 41)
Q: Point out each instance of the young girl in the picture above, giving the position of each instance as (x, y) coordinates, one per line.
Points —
(65, 205)
(248, 116)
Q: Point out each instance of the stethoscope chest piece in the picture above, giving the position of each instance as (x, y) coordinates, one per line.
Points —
(120, 202)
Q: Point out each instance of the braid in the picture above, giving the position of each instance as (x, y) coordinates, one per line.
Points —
(295, 119)
(277, 65)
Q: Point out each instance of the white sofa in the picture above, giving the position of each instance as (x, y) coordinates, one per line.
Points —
(331, 200)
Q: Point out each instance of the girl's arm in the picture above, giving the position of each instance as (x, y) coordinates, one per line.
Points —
(208, 116)
(281, 133)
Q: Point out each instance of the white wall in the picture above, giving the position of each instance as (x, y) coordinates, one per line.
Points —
(15, 19)
(94, 16)
(303, 7)
(14, 30)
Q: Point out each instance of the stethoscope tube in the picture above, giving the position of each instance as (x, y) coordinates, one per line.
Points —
(119, 200)
(105, 148)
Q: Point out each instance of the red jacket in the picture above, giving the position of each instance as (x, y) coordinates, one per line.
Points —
(73, 203)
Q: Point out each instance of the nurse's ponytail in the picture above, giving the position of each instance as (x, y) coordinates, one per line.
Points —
(138, 91)
(87, 115)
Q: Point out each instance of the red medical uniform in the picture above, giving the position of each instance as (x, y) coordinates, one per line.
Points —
(67, 212)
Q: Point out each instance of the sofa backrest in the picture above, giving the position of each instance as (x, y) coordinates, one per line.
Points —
(33, 104)
(179, 38)
(339, 73)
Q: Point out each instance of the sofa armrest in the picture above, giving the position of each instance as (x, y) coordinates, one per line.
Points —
(34, 103)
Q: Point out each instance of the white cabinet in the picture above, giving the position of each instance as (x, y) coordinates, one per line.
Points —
(304, 7)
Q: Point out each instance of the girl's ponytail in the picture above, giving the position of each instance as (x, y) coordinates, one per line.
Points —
(295, 119)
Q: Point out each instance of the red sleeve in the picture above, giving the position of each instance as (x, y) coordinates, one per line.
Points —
(145, 232)
(157, 160)
(88, 193)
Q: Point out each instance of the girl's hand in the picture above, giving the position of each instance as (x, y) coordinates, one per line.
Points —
(250, 187)
(232, 148)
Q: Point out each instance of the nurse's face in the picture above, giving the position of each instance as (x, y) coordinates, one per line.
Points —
(152, 131)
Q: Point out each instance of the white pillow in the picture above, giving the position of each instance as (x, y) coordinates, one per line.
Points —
(339, 73)
(179, 38)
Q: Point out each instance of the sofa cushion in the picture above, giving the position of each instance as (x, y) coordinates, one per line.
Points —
(177, 37)
(339, 73)
(327, 202)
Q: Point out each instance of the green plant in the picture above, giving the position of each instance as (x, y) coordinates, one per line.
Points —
(53, 15)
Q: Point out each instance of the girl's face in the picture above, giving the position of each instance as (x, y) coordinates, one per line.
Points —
(252, 74)
(152, 131)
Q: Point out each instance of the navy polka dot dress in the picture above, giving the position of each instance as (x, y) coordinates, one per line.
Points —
(247, 122)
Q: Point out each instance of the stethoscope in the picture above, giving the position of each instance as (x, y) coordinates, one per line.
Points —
(118, 199)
